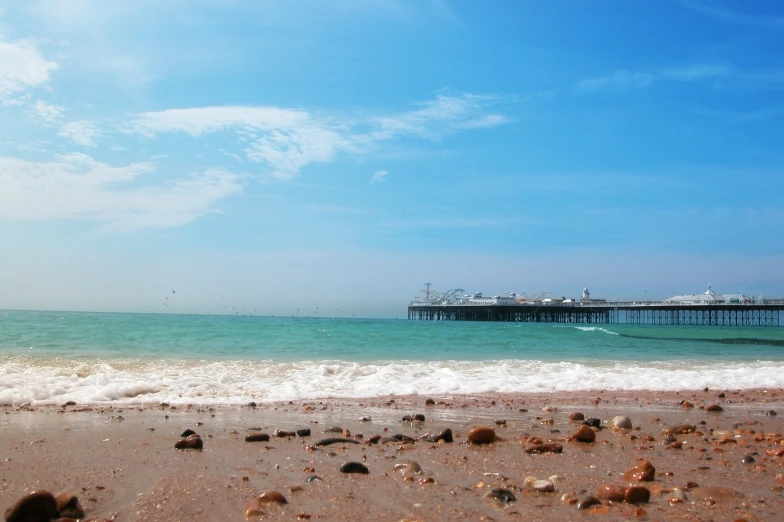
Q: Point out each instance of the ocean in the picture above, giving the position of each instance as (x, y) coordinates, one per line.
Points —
(54, 357)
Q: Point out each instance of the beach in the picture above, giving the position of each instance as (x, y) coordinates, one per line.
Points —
(121, 463)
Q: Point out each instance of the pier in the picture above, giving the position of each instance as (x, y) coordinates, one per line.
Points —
(745, 314)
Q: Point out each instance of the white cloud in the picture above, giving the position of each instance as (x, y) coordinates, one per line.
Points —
(80, 132)
(621, 79)
(627, 80)
(46, 113)
(286, 140)
(21, 67)
(77, 187)
(379, 177)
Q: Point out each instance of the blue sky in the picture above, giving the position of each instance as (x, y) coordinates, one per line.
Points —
(340, 153)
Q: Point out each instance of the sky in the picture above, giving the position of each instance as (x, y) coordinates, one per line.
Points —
(330, 157)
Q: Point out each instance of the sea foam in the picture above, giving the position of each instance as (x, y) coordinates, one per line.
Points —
(30, 380)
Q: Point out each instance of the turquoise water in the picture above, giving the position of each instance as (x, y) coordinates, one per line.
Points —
(53, 356)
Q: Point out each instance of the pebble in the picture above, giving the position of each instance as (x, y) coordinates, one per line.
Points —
(303, 432)
(611, 492)
(747, 459)
(334, 429)
(313, 478)
(576, 416)
(679, 429)
(411, 467)
(500, 422)
(586, 501)
(334, 440)
(771, 413)
(271, 496)
(584, 434)
(642, 472)
(365, 419)
(552, 447)
(445, 435)
(282, 433)
(257, 437)
(68, 506)
(38, 506)
(187, 433)
(593, 422)
(714, 408)
(430, 402)
(354, 467)
(481, 435)
(501, 495)
(191, 442)
(637, 495)
(417, 417)
(374, 439)
(543, 486)
(620, 423)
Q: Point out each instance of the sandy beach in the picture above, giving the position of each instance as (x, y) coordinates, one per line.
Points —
(121, 463)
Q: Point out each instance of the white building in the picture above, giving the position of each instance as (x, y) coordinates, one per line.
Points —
(709, 297)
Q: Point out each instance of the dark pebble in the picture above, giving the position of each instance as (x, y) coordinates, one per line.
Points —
(593, 422)
(430, 402)
(68, 506)
(354, 467)
(257, 437)
(714, 408)
(586, 501)
(304, 432)
(417, 417)
(771, 413)
(637, 495)
(374, 439)
(252, 404)
(747, 459)
(402, 438)
(500, 422)
(38, 506)
(193, 442)
(576, 416)
(334, 440)
(501, 495)
(282, 433)
(445, 435)
(552, 447)
(187, 433)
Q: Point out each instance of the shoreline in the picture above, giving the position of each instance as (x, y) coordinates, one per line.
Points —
(120, 460)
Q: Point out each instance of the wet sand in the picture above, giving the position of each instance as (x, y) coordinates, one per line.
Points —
(122, 465)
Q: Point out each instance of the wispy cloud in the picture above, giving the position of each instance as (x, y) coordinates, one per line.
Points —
(46, 113)
(379, 177)
(623, 79)
(22, 67)
(734, 16)
(80, 132)
(77, 187)
(287, 140)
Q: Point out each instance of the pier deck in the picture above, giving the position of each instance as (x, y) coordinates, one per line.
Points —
(754, 314)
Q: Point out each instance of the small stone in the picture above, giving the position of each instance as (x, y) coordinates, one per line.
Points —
(584, 434)
(257, 437)
(411, 467)
(576, 416)
(365, 419)
(282, 433)
(374, 439)
(586, 501)
(313, 478)
(430, 402)
(271, 496)
(187, 433)
(191, 442)
(642, 472)
(418, 417)
(637, 495)
(687, 405)
(38, 506)
(68, 506)
(354, 467)
(334, 429)
(771, 413)
(500, 422)
(620, 423)
(481, 435)
(501, 495)
(445, 435)
(593, 422)
(611, 493)
(543, 486)
(552, 447)
(714, 408)
(679, 429)
(251, 404)
(747, 459)
(303, 432)
(334, 440)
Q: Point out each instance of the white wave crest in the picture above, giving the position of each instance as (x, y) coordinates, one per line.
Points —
(26, 380)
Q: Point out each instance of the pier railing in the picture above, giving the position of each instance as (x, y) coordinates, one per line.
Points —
(655, 313)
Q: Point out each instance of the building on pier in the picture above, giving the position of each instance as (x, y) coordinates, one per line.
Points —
(709, 297)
